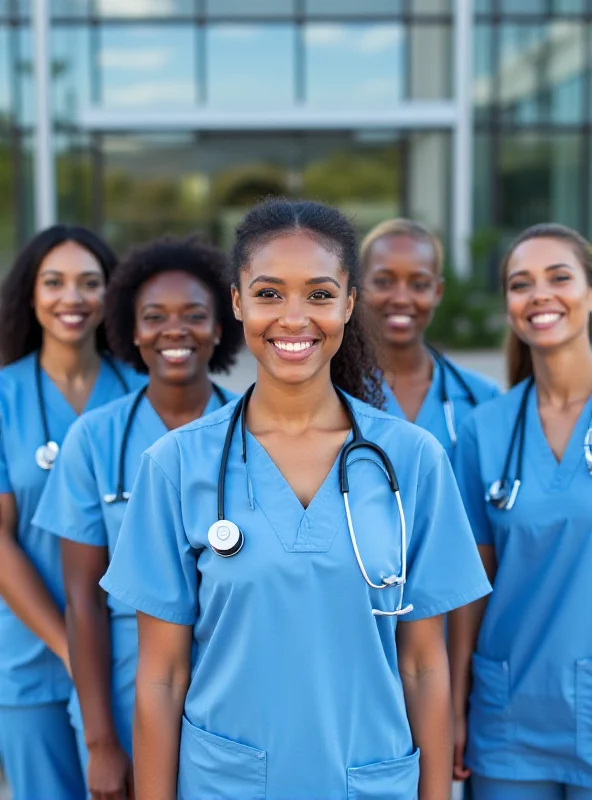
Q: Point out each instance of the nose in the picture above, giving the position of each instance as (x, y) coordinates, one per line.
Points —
(176, 328)
(294, 316)
(72, 293)
(399, 294)
(541, 292)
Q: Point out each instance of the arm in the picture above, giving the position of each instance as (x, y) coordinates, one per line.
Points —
(463, 629)
(23, 589)
(162, 681)
(423, 666)
(87, 617)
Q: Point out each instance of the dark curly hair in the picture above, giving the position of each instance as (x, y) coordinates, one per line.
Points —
(20, 332)
(353, 367)
(169, 254)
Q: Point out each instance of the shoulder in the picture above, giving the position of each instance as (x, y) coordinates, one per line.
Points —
(134, 379)
(395, 436)
(17, 377)
(483, 387)
(228, 395)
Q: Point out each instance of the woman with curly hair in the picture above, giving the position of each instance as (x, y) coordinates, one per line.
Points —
(56, 365)
(168, 314)
(273, 671)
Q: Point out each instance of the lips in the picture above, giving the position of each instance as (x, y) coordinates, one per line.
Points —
(177, 355)
(293, 349)
(544, 319)
(399, 321)
(72, 319)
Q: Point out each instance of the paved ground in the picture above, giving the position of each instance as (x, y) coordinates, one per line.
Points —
(490, 363)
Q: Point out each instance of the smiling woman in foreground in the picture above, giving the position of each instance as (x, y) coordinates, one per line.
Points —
(269, 667)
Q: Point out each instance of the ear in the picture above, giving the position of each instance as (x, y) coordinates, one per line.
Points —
(351, 302)
(439, 291)
(236, 302)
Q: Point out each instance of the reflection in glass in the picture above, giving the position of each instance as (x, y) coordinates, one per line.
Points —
(144, 8)
(69, 8)
(70, 68)
(430, 62)
(483, 69)
(565, 68)
(354, 65)
(540, 179)
(147, 66)
(4, 77)
(254, 8)
(523, 7)
(250, 66)
(568, 6)
(73, 171)
(4, 8)
(523, 52)
(352, 8)
(23, 67)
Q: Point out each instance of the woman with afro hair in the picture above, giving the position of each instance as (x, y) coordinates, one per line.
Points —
(168, 314)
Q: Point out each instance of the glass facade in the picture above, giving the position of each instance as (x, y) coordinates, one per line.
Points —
(300, 60)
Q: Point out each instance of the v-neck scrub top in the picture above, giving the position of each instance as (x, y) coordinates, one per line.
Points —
(29, 672)
(431, 414)
(73, 507)
(531, 703)
(295, 691)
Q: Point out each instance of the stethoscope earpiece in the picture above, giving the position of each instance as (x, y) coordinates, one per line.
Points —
(225, 538)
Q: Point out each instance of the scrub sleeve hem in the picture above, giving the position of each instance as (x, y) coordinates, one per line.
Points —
(146, 606)
(462, 599)
(5, 487)
(524, 773)
(81, 538)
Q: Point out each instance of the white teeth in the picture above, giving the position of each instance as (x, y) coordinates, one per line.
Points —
(292, 347)
(399, 319)
(545, 319)
(179, 352)
(72, 319)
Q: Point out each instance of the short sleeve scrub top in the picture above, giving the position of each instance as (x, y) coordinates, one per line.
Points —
(295, 690)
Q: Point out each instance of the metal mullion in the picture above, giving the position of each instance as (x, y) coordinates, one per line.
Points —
(201, 63)
(300, 21)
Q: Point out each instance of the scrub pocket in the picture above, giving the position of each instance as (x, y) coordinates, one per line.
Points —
(584, 709)
(490, 702)
(397, 779)
(214, 768)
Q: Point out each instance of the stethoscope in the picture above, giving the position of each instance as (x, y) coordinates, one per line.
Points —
(503, 492)
(447, 403)
(120, 495)
(46, 454)
(226, 539)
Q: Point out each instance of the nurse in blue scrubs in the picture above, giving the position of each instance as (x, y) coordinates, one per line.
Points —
(56, 365)
(168, 314)
(524, 467)
(403, 285)
(268, 666)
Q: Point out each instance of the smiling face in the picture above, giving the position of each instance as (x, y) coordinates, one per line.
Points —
(294, 303)
(548, 298)
(69, 293)
(175, 327)
(401, 288)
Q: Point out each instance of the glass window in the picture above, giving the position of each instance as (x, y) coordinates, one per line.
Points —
(430, 61)
(250, 66)
(353, 8)
(144, 8)
(483, 6)
(147, 67)
(23, 67)
(73, 169)
(71, 76)
(483, 69)
(354, 66)
(564, 68)
(568, 6)
(7, 204)
(255, 8)
(4, 8)
(418, 7)
(540, 178)
(69, 8)
(521, 71)
(523, 7)
(5, 105)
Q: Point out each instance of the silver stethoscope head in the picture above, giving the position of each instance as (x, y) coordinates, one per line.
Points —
(502, 494)
(119, 497)
(46, 454)
(449, 417)
(588, 449)
(225, 538)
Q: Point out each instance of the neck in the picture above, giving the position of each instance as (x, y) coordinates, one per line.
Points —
(564, 376)
(66, 363)
(292, 408)
(405, 361)
(178, 404)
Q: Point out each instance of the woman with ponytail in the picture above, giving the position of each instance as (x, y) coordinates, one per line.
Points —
(521, 662)
(279, 672)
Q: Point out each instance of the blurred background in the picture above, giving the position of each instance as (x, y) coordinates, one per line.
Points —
(138, 117)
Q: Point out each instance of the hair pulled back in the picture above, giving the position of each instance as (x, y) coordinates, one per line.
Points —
(404, 227)
(353, 367)
(518, 355)
(20, 332)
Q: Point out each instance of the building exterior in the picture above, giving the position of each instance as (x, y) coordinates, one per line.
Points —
(174, 115)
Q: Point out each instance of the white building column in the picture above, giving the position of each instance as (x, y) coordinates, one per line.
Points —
(462, 171)
(44, 175)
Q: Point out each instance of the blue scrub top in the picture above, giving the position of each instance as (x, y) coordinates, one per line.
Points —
(531, 703)
(295, 690)
(431, 414)
(29, 672)
(73, 507)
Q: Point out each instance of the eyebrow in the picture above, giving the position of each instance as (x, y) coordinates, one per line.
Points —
(550, 268)
(280, 282)
(197, 304)
(88, 274)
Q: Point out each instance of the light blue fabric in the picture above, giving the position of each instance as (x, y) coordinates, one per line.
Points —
(38, 748)
(431, 414)
(295, 690)
(73, 507)
(29, 672)
(495, 789)
(531, 705)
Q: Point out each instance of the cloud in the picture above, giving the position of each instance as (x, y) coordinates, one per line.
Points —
(137, 60)
(378, 39)
(325, 35)
(150, 95)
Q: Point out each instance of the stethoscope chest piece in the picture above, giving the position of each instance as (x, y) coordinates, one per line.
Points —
(46, 454)
(225, 538)
(502, 494)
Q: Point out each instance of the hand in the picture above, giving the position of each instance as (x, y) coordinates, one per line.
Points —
(109, 773)
(459, 771)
